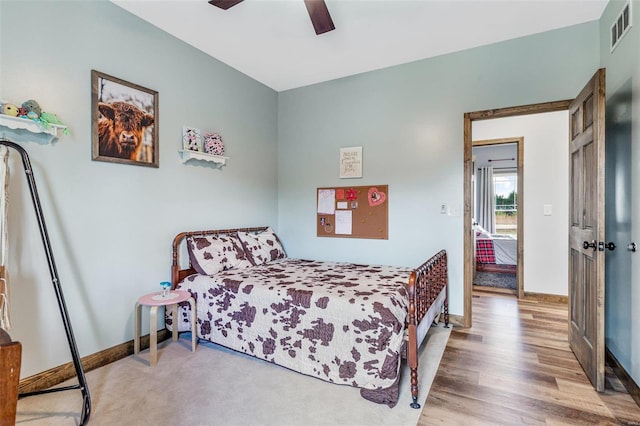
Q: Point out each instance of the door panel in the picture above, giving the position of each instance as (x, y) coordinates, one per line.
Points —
(576, 290)
(576, 159)
(589, 160)
(586, 264)
(590, 324)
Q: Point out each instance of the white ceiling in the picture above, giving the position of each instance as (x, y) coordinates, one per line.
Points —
(499, 152)
(273, 41)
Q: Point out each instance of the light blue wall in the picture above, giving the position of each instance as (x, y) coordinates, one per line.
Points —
(408, 119)
(622, 292)
(111, 225)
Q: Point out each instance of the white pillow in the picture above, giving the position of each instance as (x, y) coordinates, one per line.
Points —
(481, 232)
(211, 254)
(262, 247)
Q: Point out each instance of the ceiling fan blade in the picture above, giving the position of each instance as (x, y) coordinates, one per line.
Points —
(320, 17)
(224, 4)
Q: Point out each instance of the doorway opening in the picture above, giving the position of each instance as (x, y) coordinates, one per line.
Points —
(497, 209)
(469, 246)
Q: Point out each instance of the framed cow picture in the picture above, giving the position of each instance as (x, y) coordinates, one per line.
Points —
(124, 121)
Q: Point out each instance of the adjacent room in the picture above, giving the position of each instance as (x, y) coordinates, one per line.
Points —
(495, 206)
(257, 212)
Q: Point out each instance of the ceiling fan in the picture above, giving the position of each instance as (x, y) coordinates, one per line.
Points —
(318, 12)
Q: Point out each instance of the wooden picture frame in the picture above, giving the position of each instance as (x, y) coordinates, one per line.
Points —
(124, 121)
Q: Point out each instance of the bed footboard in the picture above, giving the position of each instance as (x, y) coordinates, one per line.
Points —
(426, 284)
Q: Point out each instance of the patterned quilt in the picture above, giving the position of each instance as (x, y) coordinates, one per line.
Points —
(484, 251)
(339, 322)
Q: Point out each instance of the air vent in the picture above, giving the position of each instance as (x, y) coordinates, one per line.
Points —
(621, 26)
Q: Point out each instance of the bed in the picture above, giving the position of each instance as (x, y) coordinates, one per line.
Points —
(341, 322)
(496, 252)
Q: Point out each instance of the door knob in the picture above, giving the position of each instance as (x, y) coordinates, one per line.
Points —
(601, 246)
(586, 245)
(632, 247)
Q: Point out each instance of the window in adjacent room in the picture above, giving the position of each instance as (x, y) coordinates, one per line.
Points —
(505, 183)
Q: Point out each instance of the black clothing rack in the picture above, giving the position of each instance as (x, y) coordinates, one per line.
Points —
(82, 382)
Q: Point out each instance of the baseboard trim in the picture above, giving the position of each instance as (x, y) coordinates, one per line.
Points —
(61, 373)
(631, 386)
(486, 289)
(544, 297)
(456, 320)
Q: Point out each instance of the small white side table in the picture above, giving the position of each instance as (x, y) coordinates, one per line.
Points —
(153, 300)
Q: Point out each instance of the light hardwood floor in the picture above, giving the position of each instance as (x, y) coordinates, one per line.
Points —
(515, 367)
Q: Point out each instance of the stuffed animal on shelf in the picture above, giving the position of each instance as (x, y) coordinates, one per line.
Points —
(213, 144)
(47, 119)
(31, 109)
(32, 106)
(10, 109)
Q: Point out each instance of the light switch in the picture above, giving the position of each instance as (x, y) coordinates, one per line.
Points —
(548, 209)
(444, 209)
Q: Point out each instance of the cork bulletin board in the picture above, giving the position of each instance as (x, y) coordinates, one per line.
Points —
(353, 212)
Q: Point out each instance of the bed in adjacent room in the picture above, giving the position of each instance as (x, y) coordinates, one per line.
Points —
(496, 252)
(344, 323)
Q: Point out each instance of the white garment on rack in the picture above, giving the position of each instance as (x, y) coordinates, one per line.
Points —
(5, 317)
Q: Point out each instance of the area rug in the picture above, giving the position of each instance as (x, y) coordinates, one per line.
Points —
(494, 279)
(217, 386)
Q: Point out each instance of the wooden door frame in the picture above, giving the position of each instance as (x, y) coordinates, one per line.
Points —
(469, 118)
(519, 141)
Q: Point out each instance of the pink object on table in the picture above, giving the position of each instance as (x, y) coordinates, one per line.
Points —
(154, 300)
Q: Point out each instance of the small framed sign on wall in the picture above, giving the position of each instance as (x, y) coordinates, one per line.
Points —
(351, 162)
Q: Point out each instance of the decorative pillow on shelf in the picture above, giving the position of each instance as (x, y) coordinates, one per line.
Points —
(262, 247)
(211, 254)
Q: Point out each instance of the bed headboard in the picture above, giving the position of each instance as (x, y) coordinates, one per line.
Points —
(178, 274)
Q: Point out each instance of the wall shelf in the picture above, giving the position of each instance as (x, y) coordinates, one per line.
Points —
(12, 128)
(197, 155)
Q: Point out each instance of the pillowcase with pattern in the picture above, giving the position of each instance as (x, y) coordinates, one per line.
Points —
(262, 247)
(211, 254)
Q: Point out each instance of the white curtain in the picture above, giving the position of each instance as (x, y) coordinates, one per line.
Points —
(486, 199)
(5, 320)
